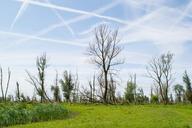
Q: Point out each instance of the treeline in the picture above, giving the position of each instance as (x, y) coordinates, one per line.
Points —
(104, 52)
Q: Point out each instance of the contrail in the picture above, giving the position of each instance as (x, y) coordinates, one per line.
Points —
(183, 14)
(88, 31)
(20, 12)
(82, 17)
(43, 39)
(74, 20)
(129, 25)
(62, 8)
(62, 20)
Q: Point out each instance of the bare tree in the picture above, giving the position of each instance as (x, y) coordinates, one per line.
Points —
(18, 93)
(75, 92)
(88, 94)
(4, 94)
(112, 89)
(160, 71)
(39, 81)
(92, 89)
(104, 53)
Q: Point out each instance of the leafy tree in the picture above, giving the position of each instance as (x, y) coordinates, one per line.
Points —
(67, 85)
(39, 81)
(187, 82)
(179, 90)
(56, 91)
(140, 97)
(130, 92)
(154, 99)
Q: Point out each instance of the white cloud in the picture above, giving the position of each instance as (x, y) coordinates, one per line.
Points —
(158, 30)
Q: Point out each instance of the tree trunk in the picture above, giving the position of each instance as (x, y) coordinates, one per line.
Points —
(106, 87)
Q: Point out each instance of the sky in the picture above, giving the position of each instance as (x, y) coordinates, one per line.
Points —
(63, 29)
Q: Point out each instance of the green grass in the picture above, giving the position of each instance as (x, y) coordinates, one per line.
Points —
(122, 116)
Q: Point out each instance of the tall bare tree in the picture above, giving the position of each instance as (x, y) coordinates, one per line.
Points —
(103, 52)
(4, 92)
(160, 71)
(39, 81)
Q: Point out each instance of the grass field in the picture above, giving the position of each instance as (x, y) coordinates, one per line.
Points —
(125, 116)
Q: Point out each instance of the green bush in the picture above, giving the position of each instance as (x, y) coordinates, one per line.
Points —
(11, 114)
(14, 115)
(43, 112)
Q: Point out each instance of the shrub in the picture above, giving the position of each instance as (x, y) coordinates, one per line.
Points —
(43, 112)
(26, 113)
(14, 115)
(154, 99)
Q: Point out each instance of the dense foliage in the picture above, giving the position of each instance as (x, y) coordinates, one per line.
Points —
(11, 114)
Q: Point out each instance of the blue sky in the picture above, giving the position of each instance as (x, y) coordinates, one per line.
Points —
(63, 29)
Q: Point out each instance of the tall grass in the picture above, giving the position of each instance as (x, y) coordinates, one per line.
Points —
(44, 112)
(25, 113)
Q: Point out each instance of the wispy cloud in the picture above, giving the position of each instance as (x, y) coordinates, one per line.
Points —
(183, 15)
(71, 21)
(20, 12)
(154, 27)
(62, 8)
(62, 19)
(44, 39)
(90, 30)
(164, 25)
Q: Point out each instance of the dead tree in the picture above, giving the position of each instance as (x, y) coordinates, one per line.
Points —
(75, 92)
(39, 81)
(103, 52)
(88, 94)
(112, 89)
(160, 71)
(92, 89)
(18, 93)
(4, 93)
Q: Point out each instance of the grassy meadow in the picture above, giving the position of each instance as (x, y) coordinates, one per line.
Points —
(121, 116)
